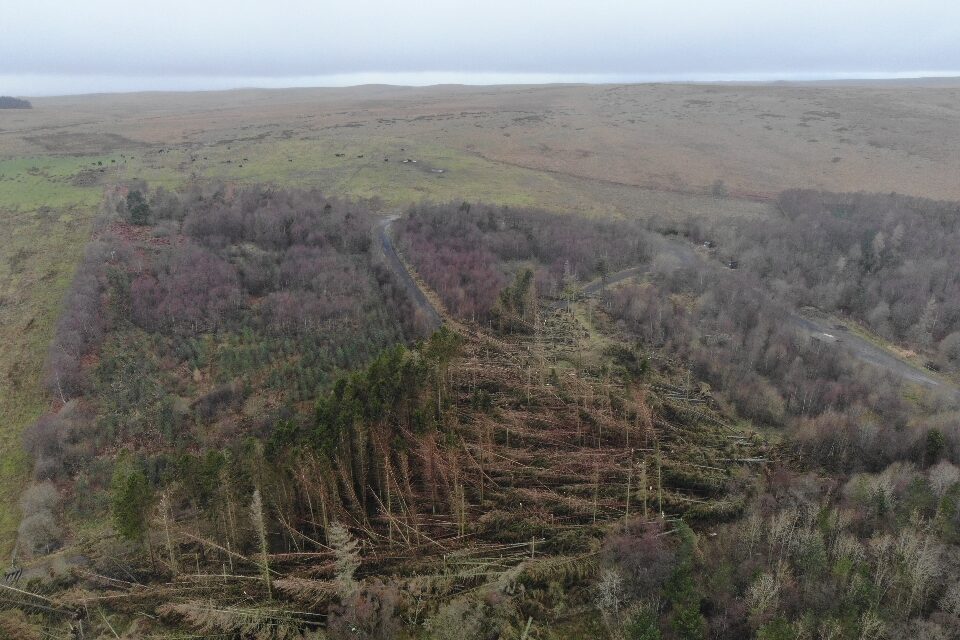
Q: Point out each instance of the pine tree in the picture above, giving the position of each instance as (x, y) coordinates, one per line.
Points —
(138, 208)
(256, 514)
(347, 558)
(642, 625)
(131, 502)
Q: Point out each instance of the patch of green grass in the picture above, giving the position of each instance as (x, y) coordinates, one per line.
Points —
(38, 255)
(304, 163)
(47, 204)
(27, 184)
(46, 215)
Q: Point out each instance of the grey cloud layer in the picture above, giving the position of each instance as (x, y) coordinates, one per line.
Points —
(300, 37)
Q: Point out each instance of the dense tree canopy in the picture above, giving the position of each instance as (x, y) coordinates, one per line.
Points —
(206, 315)
(468, 254)
(9, 102)
(887, 260)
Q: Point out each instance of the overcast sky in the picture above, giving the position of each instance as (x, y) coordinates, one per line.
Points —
(54, 46)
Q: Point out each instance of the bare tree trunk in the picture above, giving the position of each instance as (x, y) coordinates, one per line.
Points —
(659, 479)
(165, 518)
(643, 486)
(596, 490)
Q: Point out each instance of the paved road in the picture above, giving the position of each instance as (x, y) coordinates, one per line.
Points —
(381, 233)
(867, 352)
(683, 255)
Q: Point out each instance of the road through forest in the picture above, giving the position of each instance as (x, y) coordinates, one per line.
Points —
(383, 238)
(684, 256)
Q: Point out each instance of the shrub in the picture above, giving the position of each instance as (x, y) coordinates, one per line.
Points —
(38, 532)
(131, 502)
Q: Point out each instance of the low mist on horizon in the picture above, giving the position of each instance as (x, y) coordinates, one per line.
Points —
(36, 86)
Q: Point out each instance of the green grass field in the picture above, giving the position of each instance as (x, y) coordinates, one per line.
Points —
(37, 257)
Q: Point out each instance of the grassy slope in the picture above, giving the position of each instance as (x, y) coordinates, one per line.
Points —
(465, 176)
(46, 217)
(38, 254)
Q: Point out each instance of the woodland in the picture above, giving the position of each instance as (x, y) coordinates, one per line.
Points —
(254, 434)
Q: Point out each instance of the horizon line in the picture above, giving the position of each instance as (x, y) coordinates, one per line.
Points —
(75, 85)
